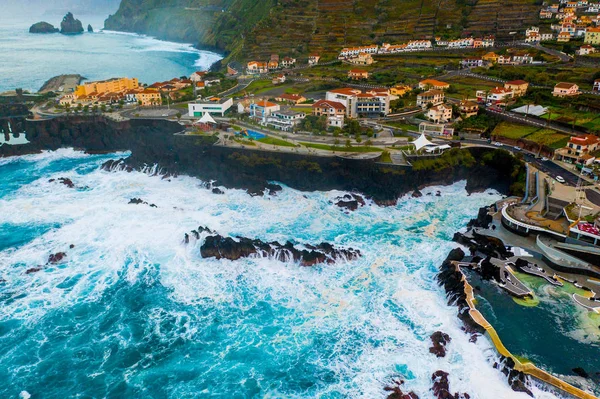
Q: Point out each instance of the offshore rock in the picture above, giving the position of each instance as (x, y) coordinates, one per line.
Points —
(139, 201)
(56, 258)
(417, 194)
(219, 247)
(90, 29)
(70, 25)
(43, 27)
(396, 391)
(67, 182)
(439, 340)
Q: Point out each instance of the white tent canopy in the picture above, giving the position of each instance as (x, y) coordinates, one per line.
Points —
(438, 148)
(422, 142)
(536, 110)
(206, 118)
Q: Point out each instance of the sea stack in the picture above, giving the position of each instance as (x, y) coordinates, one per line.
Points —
(90, 29)
(70, 25)
(42, 27)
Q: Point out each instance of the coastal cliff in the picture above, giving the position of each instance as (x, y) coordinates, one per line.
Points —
(154, 142)
(249, 29)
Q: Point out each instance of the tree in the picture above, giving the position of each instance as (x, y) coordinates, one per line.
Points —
(348, 143)
(103, 107)
(178, 116)
(95, 109)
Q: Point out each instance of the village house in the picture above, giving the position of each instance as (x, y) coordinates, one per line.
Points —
(272, 65)
(565, 89)
(328, 108)
(546, 14)
(490, 57)
(563, 37)
(354, 51)
(361, 59)
(148, 98)
(262, 109)
(243, 106)
(468, 108)
(346, 96)
(313, 59)
(357, 74)
(579, 149)
(257, 67)
(418, 45)
(274, 57)
(518, 87)
(461, 43)
(471, 62)
(521, 57)
(592, 36)
(433, 97)
(496, 96)
(441, 42)
(288, 62)
(197, 76)
(400, 90)
(596, 85)
(440, 114)
(504, 59)
(278, 79)
(234, 68)
(374, 102)
(433, 84)
(586, 49)
(290, 98)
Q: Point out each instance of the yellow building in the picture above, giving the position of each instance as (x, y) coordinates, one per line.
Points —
(400, 90)
(592, 36)
(490, 57)
(149, 97)
(115, 85)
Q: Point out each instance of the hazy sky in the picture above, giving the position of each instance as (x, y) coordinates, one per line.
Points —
(35, 8)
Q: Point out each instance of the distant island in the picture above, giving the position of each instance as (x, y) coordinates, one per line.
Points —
(43, 27)
(68, 26)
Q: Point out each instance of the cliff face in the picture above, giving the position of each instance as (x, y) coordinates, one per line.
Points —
(252, 29)
(153, 142)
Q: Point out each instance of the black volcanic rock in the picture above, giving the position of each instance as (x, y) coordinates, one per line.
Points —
(70, 25)
(350, 202)
(483, 219)
(581, 372)
(43, 27)
(90, 29)
(219, 247)
(396, 391)
(439, 341)
(441, 387)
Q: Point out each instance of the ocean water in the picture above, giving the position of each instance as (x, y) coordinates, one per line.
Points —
(134, 312)
(29, 60)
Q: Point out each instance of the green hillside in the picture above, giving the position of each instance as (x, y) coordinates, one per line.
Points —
(248, 29)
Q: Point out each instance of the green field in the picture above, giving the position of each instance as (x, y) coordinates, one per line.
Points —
(341, 148)
(589, 120)
(275, 141)
(548, 137)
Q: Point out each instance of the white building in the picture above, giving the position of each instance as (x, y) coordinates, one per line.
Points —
(213, 105)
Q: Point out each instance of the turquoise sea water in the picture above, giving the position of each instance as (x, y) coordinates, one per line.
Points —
(28, 60)
(133, 312)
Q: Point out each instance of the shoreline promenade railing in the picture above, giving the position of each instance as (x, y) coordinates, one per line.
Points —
(527, 368)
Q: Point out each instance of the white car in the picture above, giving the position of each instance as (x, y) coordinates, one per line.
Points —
(544, 159)
(560, 179)
(498, 144)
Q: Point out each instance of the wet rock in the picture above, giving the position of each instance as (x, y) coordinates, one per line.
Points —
(273, 188)
(33, 270)
(350, 202)
(217, 190)
(438, 193)
(67, 182)
(396, 392)
(219, 247)
(441, 387)
(71, 246)
(483, 220)
(581, 372)
(70, 25)
(483, 246)
(113, 165)
(385, 202)
(439, 341)
(90, 29)
(57, 257)
(417, 194)
(139, 201)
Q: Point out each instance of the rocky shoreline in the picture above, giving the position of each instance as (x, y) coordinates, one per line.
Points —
(156, 142)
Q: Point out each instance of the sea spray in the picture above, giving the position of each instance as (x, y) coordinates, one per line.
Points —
(132, 311)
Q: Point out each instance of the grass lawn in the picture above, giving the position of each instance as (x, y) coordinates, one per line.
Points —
(275, 141)
(401, 125)
(590, 120)
(341, 148)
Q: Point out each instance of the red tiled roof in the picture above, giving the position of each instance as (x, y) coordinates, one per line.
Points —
(346, 90)
(564, 85)
(330, 104)
(516, 83)
(587, 139)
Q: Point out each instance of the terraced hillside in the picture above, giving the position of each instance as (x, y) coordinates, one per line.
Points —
(248, 29)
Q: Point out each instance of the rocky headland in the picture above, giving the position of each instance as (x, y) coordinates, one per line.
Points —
(43, 27)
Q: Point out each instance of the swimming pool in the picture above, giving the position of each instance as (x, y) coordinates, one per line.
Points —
(252, 134)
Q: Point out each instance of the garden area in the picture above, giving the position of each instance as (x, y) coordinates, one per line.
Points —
(542, 136)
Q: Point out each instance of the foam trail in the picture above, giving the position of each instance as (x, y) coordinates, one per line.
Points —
(131, 304)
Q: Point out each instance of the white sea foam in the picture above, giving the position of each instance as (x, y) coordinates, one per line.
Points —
(388, 298)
